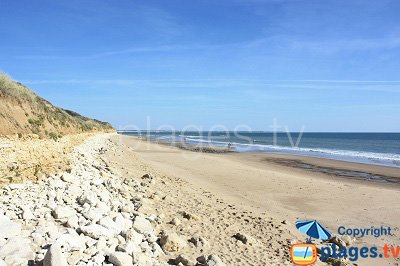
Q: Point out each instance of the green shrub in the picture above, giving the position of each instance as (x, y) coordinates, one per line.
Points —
(36, 122)
(53, 136)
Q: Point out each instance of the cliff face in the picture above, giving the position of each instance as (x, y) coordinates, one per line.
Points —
(24, 112)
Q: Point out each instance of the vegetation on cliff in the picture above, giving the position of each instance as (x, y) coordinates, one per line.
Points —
(24, 112)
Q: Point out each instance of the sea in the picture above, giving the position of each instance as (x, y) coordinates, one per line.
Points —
(369, 148)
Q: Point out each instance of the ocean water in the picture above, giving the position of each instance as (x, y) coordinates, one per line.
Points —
(370, 148)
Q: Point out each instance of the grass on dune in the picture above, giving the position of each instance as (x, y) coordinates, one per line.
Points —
(44, 110)
(9, 87)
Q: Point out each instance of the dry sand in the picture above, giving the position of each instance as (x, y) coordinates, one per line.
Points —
(254, 195)
(31, 158)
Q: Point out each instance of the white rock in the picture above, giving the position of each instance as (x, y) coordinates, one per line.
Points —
(134, 236)
(17, 251)
(108, 223)
(55, 257)
(75, 257)
(171, 242)
(115, 204)
(51, 204)
(27, 214)
(90, 242)
(8, 228)
(69, 178)
(61, 212)
(2, 263)
(11, 214)
(103, 206)
(104, 195)
(38, 239)
(88, 197)
(94, 214)
(113, 241)
(60, 195)
(157, 250)
(96, 231)
(73, 192)
(120, 259)
(73, 222)
(52, 231)
(143, 259)
(57, 183)
(142, 225)
(70, 242)
(128, 207)
(99, 258)
(101, 244)
(129, 247)
(122, 222)
(91, 251)
(97, 181)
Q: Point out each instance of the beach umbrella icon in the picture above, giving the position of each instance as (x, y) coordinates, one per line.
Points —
(313, 229)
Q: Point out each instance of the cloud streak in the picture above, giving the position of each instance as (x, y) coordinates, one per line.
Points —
(390, 86)
(131, 50)
(279, 41)
(332, 46)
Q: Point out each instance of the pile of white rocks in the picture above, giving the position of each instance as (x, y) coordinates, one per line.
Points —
(88, 216)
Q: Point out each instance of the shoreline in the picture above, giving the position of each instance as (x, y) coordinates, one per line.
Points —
(374, 173)
(367, 156)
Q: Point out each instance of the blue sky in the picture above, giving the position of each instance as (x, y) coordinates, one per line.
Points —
(327, 65)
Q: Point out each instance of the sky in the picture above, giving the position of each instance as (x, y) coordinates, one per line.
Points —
(328, 65)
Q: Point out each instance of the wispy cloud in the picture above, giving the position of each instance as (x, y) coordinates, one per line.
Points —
(360, 44)
(326, 45)
(322, 46)
(132, 50)
(41, 57)
(363, 106)
(161, 48)
(242, 84)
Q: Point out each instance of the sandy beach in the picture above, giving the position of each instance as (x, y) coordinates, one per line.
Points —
(258, 195)
(126, 201)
